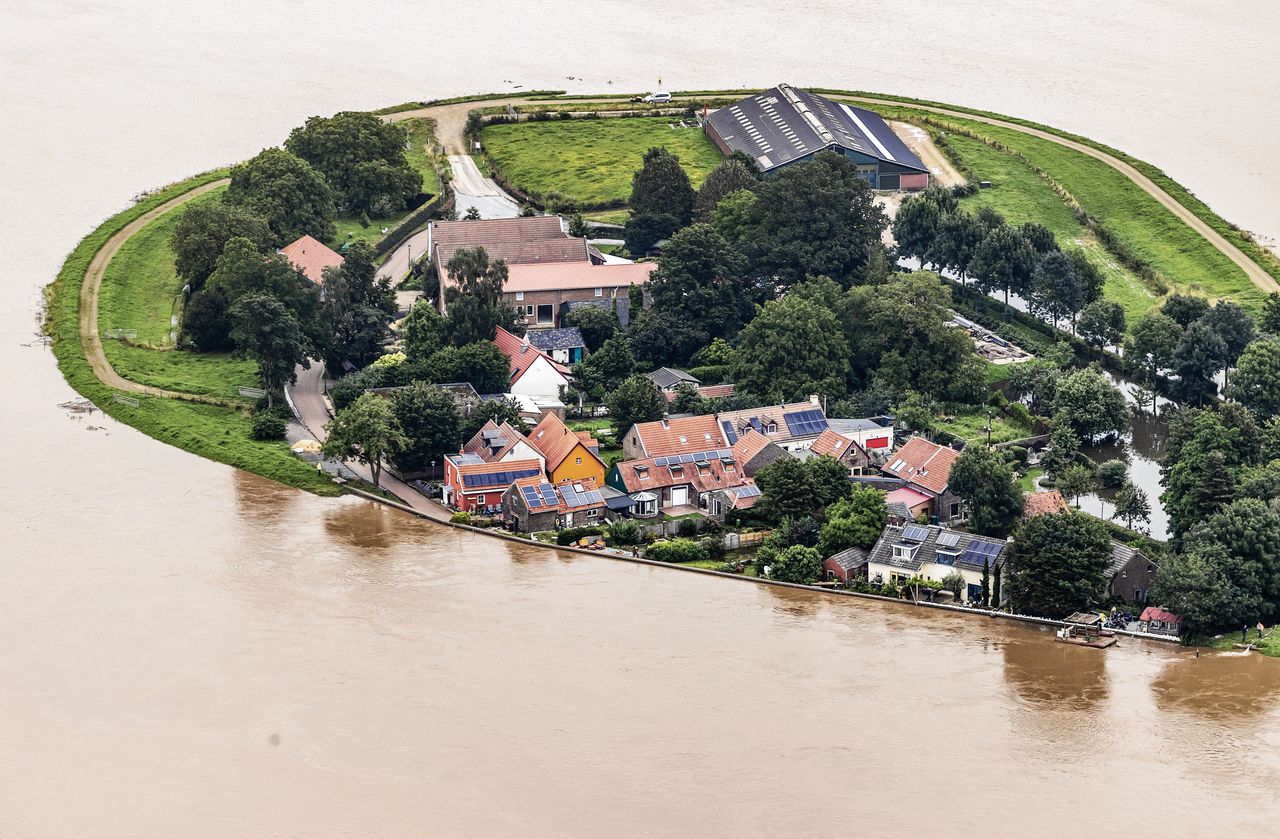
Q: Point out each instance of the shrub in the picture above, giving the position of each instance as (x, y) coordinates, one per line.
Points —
(460, 518)
(573, 534)
(624, 533)
(1019, 454)
(688, 528)
(714, 546)
(676, 550)
(268, 426)
(1113, 473)
(711, 374)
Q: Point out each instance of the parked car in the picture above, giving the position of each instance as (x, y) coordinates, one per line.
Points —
(660, 96)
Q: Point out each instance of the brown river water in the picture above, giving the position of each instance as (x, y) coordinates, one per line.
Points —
(188, 651)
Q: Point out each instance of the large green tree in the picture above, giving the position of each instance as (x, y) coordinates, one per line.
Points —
(1131, 504)
(606, 368)
(661, 186)
(1256, 383)
(1204, 454)
(853, 522)
(703, 278)
(1004, 261)
(1090, 404)
(474, 307)
(1199, 357)
(1243, 540)
(359, 306)
(797, 564)
(1185, 309)
(817, 218)
(429, 419)
(985, 482)
(735, 173)
(959, 235)
(284, 190)
(366, 431)
(265, 331)
(481, 364)
(916, 224)
(1057, 564)
(635, 400)
(423, 331)
(361, 156)
(1102, 323)
(202, 232)
(1153, 342)
(1196, 588)
(596, 323)
(792, 349)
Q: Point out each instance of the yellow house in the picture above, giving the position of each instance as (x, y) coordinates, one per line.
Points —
(570, 455)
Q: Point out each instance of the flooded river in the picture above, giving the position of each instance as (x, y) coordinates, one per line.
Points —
(190, 651)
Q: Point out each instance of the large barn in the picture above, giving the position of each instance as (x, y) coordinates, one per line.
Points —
(784, 125)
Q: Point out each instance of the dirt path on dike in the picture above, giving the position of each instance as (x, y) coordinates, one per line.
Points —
(90, 290)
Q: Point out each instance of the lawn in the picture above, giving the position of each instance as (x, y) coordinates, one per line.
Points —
(591, 160)
(1027, 483)
(214, 432)
(1184, 259)
(1270, 645)
(618, 217)
(141, 290)
(1020, 195)
(972, 426)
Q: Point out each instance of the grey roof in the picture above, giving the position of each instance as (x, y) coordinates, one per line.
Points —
(621, 304)
(667, 377)
(878, 482)
(1120, 556)
(851, 558)
(852, 426)
(897, 509)
(564, 338)
(972, 549)
(784, 124)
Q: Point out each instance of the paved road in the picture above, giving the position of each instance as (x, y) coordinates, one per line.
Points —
(313, 412)
(397, 264)
(472, 189)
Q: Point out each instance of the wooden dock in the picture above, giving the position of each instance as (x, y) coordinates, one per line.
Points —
(1099, 643)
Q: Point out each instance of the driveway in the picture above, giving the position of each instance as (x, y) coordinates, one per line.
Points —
(472, 189)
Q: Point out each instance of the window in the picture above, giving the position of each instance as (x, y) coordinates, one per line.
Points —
(599, 292)
(578, 461)
(593, 513)
(729, 465)
(528, 310)
(955, 509)
(677, 471)
(772, 428)
(519, 295)
(546, 313)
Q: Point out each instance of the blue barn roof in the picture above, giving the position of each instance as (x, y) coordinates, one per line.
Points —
(784, 124)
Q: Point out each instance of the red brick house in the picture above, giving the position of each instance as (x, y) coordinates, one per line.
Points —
(475, 486)
(926, 468)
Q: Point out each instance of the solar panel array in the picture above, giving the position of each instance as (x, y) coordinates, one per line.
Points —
(543, 495)
(915, 533)
(748, 491)
(729, 433)
(695, 457)
(949, 539)
(805, 423)
(573, 497)
(493, 479)
(979, 550)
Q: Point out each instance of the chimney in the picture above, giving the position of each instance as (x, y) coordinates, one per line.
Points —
(815, 399)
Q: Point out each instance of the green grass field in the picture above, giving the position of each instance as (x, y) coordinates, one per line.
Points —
(1184, 259)
(1020, 195)
(210, 431)
(591, 160)
(140, 290)
(972, 426)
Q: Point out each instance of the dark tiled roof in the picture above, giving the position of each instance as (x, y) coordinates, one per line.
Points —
(897, 509)
(564, 338)
(1120, 556)
(968, 545)
(851, 558)
(668, 377)
(621, 304)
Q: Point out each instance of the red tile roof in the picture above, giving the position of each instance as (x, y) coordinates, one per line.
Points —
(831, 443)
(769, 414)
(521, 354)
(1155, 613)
(311, 256)
(554, 439)
(923, 464)
(1041, 503)
(575, 275)
(645, 474)
(749, 445)
(520, 253)
(486, 231)
(908, 496)
(510, 436)
(680, 435)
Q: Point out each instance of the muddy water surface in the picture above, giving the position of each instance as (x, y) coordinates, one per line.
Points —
(189, 651)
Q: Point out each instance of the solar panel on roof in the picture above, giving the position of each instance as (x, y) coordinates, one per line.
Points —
(729, 433)
(949, 540)
(805, 423)
(915, 533)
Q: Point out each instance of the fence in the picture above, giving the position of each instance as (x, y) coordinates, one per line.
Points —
(402, 231)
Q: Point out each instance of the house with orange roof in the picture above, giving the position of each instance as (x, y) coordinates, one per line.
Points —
(793, 426)
(683, 482)
(569, 455)
(844, 449)
(1043, 503)
(754, 451)
(475, 486)
(311, 256)
(542, 292)
(533, 372)
(673, 435)
(925, 467)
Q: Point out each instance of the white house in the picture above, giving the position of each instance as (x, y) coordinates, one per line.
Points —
(533, 372)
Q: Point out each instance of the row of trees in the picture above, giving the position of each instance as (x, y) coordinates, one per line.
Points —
(1180, 349)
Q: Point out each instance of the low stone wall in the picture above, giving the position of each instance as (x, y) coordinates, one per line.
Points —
(500, 534)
